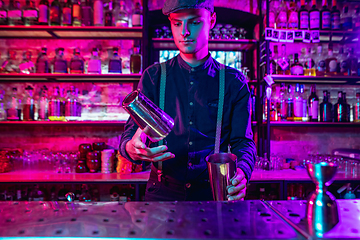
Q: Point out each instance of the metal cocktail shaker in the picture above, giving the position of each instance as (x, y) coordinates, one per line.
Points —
(222, 168)
(150, 118)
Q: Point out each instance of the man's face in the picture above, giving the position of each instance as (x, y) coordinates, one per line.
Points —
(190, 29)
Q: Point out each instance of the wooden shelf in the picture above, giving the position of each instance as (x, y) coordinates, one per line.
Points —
(316, 79)
(313, 124)
(63, 123)
(70, 77)
(220, 45)
(61, 32)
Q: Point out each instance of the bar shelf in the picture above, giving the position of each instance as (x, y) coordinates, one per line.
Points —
(218, 44)
(64, 32)
(44, 77)
(313, 124)
(104, 123)
(342, 80)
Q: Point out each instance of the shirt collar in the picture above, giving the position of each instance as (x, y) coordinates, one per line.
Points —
(202, 66)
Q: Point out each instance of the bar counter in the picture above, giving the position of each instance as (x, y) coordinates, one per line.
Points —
(170, 220)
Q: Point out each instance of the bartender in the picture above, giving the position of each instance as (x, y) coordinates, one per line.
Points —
(179, 170)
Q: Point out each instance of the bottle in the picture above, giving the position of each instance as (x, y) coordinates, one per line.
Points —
(274, 5)
(253, 102)
(36, 194)
(356, 19)
(69, 105)
(357, 108)
(62, 193)
(320, 62)
(60, 64)
(281, 20)
(282, 111)
(76, 13)
(29, 105)
(335, 16)
(347, 107)
(14, 13)
(290, 104)
(136, 60)
(325, 16)
(273, 58)
(326, 108)
(346, 19)
(309, 63)
(121, 18)
(44, 12)
(297, 68)
(43, 104)
(78, 104)
(42, 62)
(98, 13)
(55, 14)
(302, 92)
(77, 62)
(55, 105)
(30, 14)
(27, 66)
(298, 104)
(137, 16)
(314, 16)
(86, 13)
(2, 106)
(115, 62)
(340, 113)
(94, 63)
(303, 16)
(342, 63)
(11, 65)
(13, 108)
(109, 14)
(3, 13)
(352, 62)
(331, 62)
(283, 62)
(85, 195)
(67, 14)
(313, 105)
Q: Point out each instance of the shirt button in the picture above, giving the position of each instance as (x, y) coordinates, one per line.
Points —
(188, 185)
(190, 122)
(190, 164)
(193, 69)
(191, 83)
(191, 103)
(190, 143)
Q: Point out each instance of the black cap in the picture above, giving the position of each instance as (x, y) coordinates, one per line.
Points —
(171, 6)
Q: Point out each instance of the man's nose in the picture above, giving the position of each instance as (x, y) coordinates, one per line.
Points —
(185, 30)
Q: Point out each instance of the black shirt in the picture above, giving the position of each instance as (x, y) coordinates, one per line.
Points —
(191, 99)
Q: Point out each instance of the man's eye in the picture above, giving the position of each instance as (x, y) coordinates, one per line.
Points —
(176, 24)
(196, 22)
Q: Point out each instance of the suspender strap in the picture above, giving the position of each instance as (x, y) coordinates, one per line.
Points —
(220, 108)
(162, 101)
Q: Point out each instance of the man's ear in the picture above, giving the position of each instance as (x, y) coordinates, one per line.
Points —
(212, 20)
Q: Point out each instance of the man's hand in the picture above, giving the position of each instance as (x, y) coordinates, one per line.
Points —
(137, 149)
(237, 190)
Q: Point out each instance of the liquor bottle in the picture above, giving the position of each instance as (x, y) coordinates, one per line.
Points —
(320, 62)
(303, 17)
(357, 108)
(3, 13)
(29, 105)
(289, 104)
(76, 13)
(313, 105)
(335, 16)
(326, 108)
(14, 13)
(274, 5)
(69, 102)
(136, 60)
(2, 106)
(55, 13)
(346, 19)
(121, 18)
(109, 13)
(55, 105)
(86, 13)
(281, 20)
(342, 68)
(78, 104)
(115, 62)
(283, 62)
(13, 108)
(77, 62)
(325, 16)
(44, 12)
(42, 62)
(297, 68)
(298, 104)
(253, 102)
(98, 13)
(282, 103)
(62, 97)
(67, 14)
(27, 66)
(314, 16)
(43, 104)
(137, 15)
(331, 62)
(302, 92)
(347, 106)
(356, 19)
(309, 63)
(94, 63)
(59, 63)
(352, 61)
(11, 65)
(30, 14)
(272, 62)
(340, 109)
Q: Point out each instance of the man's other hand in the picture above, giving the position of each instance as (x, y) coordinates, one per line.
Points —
(237, 190)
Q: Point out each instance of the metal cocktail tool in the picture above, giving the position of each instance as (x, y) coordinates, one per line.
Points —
(222, 168)
(150, 118)
(321, 210)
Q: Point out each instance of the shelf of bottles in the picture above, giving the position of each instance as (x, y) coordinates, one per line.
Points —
(314, 124)
(316, 79)
(64, 123)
